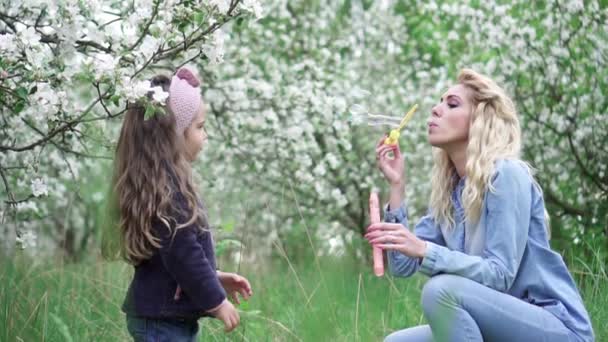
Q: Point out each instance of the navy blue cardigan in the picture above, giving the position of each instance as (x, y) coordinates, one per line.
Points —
(188, 260)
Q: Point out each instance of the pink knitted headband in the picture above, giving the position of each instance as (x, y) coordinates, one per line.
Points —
(184, 98)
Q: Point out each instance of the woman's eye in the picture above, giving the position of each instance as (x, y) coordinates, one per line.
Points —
(452, 105)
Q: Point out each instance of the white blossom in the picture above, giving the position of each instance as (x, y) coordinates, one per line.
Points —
(39, 187)
(29, 37)
(222, 5)
(27, 239)
(159, 95)
(254, 7)
(137, 90)
(214, 50)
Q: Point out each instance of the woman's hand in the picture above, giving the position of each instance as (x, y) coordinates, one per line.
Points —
(393, 236)
(392, 168)
(235, 284)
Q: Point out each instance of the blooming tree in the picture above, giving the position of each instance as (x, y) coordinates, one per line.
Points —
(282, 131)
(67, 69)
(283, 150)
(282, 112)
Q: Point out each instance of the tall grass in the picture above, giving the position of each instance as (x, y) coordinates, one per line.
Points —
(328, 300)
(56, 302)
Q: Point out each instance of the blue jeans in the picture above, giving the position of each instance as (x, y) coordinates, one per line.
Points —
(162, 330)
(460, 309)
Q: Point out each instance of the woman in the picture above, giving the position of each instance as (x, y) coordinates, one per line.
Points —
(484, 241)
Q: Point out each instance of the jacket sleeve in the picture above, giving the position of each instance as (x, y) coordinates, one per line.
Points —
(399, 264)
(185, 259)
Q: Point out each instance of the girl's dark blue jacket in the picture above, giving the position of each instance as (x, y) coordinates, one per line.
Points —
(186, 259)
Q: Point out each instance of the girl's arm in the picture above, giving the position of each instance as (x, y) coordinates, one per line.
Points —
(184, 258)
(508, 219)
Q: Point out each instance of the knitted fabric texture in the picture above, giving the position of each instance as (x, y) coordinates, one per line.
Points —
(184, 98)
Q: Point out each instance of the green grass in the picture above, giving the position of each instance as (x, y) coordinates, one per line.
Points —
(324, 300)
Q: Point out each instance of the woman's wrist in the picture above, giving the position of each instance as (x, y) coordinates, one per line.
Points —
(422, 251)
(396, 195)
(397, 185)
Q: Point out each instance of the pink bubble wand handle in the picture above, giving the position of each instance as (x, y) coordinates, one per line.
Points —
(374, 215)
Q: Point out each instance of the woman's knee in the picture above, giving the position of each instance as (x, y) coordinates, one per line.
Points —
(439, 289)
(394, 337)
(421, 333)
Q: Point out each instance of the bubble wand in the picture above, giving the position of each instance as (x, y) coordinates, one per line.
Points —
(374, 216)
(393, 136)
(360, 115)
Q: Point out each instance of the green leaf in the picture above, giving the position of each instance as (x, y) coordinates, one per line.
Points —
(228, 226)
(19, 105)
(181, 27)
(223, 245)
(115, 99)
(199, 18)
(22, 92)
(150, 110)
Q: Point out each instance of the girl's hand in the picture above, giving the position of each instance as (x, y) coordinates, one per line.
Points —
(226, 313)
(391, 168)
(232, 283)
(393, 236)
(235, 284)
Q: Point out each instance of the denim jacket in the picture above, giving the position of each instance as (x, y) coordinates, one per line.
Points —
(507, 250)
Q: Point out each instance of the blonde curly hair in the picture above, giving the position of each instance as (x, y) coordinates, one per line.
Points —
(494, 134)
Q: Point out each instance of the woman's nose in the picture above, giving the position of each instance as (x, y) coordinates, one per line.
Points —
(435, 111)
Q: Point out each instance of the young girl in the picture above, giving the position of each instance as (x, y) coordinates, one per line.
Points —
(163, 224)
(484, 241)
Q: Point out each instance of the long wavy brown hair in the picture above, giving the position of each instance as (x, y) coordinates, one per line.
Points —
(151, 172)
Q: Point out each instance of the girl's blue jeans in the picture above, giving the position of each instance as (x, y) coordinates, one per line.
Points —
(459, 309)
(162, 330)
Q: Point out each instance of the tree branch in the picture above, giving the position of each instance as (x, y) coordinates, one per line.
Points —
(583, 168)
(52, 134)
(566, 207)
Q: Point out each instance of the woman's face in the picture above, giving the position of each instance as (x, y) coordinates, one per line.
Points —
(196, 135)
(449, 121)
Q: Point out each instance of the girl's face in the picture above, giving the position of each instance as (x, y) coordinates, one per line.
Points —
(449, 122)
(196, 135)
